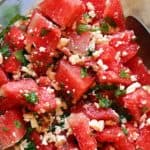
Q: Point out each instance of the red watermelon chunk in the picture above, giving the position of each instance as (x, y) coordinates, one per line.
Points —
(12, 128)
(13, 91)
(79, 124)
(100, 114)
(3, 77)
(116, 136)
(64, 12)
(138, 68)
(11, 65)
(136, 102)
(70, 77)
(15, 38)
(99, 6)
(124, 43)
(46, 101)
(143, 142)
(114, 11)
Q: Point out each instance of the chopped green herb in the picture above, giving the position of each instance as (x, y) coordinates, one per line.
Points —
(89, 52)
(12, 21)
(17, 18)
(5, 129)
(5, 51)
(44, 32)
(83, 72)
(81, 28)
(124, 74)
(123, 112)
(124, 130)
(86, 16)
(3, 32)
(20, 57)
(28, 132)
(17, 124)
(31, 97)
(104, 87)
(110, 21)
(105, 103)
(119, 92)
(94, 29)
(104, 27)
(31, 146)
(145, 109)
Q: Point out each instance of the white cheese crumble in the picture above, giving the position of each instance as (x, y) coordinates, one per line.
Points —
(42, 49)
(133, 78)
(133, 87)
(92, 14)
(102, 65)
(1, 58)
(97, 125)
(74, 59)
(100, 38)
(63, 42)
(28, 71)
(146, 88)
(98, 52)
(29, 117)
(90, 6)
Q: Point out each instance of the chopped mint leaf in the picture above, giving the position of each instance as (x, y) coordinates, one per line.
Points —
(31, 97)
(105, 103)
(31, 146)
(84, 72)
(119, 92)
(44, 32)
(17, 124)
(5, 51)
(81, 28)
(20, 57)
(104, 27)
(124, 130)
(124, 74)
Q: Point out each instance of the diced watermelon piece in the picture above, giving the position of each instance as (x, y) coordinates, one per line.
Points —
(3, 77)
(100, 114)
(79, 43)
(124, 43)
(42, 32)
(79, 124)
(99, 6)
(115, 135)
(112, 77)
(43, 35)
(70, 77)
(15, 38)
(46, 101)
(12, 128)
(58, 12)
(114, 11)
(143, 142)
(13, 91)
(11, 65)
(138, 68)
(136, 102)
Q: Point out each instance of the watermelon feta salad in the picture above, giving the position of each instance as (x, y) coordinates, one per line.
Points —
(71, 79)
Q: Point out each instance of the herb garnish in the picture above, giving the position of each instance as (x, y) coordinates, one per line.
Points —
(31, 97)
(83, 72)
(20, 57)
(17, 124)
